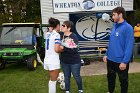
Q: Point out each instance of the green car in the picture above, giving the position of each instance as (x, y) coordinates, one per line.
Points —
(21, 42)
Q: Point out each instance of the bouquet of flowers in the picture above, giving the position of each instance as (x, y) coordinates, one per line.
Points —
(69, 43)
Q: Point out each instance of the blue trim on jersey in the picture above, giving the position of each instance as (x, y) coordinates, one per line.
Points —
(57, 39)
(57, 43)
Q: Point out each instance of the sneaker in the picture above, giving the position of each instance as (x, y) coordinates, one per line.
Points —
(67, 91)
(80, 91)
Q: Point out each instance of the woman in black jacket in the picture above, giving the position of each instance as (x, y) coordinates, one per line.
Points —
(70, 59)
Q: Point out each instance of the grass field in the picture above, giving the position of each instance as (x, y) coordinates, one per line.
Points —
(17, 79)
(137, 60)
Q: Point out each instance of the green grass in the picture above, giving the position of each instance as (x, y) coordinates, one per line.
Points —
(137, 60)
(17, 79)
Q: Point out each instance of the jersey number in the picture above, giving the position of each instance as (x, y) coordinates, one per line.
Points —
(47, 44)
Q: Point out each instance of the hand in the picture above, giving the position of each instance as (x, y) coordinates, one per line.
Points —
(105, 59)
(62, 47)
(122, 66)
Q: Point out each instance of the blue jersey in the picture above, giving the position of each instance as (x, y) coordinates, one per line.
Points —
(121, 42)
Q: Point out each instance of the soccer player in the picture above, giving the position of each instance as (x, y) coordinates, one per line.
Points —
(52, 49)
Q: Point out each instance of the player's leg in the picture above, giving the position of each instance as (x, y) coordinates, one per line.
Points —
(53, 79)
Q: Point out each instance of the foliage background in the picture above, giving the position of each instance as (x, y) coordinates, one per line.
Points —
(29, 11)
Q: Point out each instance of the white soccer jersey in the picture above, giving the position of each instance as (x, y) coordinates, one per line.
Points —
(51, 57)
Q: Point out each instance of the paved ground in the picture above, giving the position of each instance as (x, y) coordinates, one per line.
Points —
(99, 68)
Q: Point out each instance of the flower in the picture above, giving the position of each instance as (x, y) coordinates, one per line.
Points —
(69, 43)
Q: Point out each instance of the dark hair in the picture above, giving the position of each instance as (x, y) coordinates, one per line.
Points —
(119, 10)
(53, 22)
(69, 24)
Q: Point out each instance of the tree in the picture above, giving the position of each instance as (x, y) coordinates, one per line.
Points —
(20, 11)
(137, 11)
(33, 11)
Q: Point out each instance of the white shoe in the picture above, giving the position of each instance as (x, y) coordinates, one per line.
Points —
(81, 91)
(67, 91)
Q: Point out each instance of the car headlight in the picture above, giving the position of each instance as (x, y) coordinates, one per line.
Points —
(19, 53)
(12, 54)
(4, 54)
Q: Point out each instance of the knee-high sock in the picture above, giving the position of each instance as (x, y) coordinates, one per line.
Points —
(52, 86)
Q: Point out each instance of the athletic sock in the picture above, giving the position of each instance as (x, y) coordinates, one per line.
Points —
(52, 86)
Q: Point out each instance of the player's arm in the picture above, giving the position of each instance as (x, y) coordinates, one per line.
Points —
(58, 47)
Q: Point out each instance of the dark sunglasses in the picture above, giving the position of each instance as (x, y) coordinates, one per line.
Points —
(63, 25)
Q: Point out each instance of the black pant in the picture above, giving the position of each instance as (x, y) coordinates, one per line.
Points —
(112, 69)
